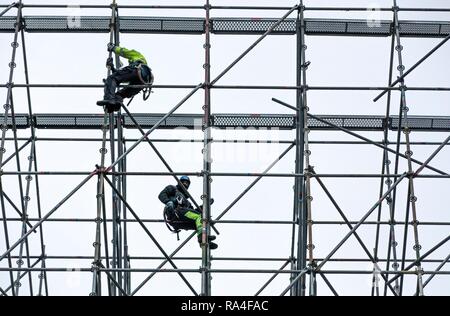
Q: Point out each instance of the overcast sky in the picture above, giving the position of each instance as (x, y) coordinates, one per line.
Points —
(175, 59)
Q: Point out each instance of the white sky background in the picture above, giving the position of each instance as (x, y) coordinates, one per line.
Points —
(336, 61)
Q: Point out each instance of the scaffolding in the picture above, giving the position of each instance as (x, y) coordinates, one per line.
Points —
(113, 263)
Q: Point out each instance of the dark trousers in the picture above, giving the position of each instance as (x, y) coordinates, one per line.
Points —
(189, 219)
(126, 74)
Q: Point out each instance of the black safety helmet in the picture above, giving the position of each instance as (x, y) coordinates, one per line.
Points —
(185, 181)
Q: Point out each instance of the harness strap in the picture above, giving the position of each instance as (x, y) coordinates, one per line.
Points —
(151, 78)
(169, 224)
(139, 66)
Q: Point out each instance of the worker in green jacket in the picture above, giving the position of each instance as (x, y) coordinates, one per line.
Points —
(136, 73)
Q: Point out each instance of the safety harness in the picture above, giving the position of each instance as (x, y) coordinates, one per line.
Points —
(173, 220)
(148, 80)
(170, 222)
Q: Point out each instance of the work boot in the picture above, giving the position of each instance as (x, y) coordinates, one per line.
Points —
(106, 103)
(211, 238)
(211, 245)
(111, 105)
(117, 106)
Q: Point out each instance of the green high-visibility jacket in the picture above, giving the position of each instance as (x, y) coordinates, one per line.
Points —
(131, 55)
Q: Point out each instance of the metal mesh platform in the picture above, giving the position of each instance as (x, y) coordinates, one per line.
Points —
(22, 121)
(38, 24)
(68, 121)
(251, 26)
(362, 123)
(100, 24)
(162, 25)
(224, 121)
(347, 27)
(176, 121)
(7, 23)
(425, 29)
(174, 25)
(423, 124)
(254, 121)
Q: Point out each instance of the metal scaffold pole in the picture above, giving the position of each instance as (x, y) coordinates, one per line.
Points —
(411, 198)
(392, 198)
(207, 161)
(108, 120)
(300, 201)
(43, 282)
(7, 107)
(116, 205)
(385, 170)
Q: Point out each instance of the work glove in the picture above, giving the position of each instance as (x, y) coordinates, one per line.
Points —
(170, 205)
(201, 206)
(110, 64)
(111, 47)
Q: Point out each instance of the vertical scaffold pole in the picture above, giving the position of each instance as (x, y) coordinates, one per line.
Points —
(206, 252)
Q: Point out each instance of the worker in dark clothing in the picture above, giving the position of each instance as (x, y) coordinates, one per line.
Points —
(136, 73)
(180, 213)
